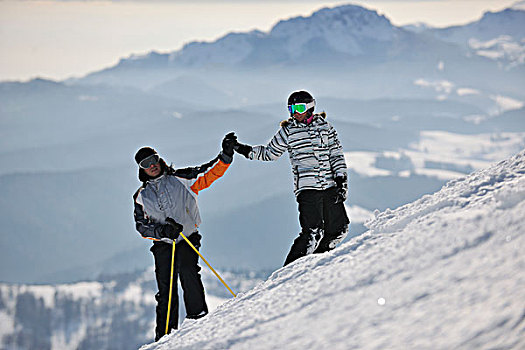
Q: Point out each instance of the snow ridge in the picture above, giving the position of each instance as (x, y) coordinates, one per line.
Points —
(455, 194)
(446, 271)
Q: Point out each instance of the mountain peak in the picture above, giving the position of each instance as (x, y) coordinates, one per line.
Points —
(347, 19)
(347, 29)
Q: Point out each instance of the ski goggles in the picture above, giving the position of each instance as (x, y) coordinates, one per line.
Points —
(149, 161)
(300, 107)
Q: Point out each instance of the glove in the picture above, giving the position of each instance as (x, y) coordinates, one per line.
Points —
(342, 188)
(243, 149)
(171, 230)
(228, 143)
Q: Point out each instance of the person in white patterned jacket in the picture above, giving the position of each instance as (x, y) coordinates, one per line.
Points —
(320, 175)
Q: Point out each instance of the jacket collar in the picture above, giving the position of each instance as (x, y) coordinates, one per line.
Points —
(157, 179)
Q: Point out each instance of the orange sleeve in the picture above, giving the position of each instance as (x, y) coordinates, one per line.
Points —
(206, 179)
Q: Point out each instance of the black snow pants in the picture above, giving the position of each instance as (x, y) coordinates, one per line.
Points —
(187, 270)
(324, 223)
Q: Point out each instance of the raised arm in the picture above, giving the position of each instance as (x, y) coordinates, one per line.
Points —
(200, 178)
(272, 151)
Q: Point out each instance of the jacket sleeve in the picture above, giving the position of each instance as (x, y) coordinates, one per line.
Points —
(337, 157)
(275, 148)
(144, 226)
(201, 177)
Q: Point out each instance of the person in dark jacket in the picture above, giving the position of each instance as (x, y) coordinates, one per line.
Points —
(320, 174)
(165, 205)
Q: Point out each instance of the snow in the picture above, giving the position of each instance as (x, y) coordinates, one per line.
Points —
(444, 272)
(502, 47)
(444, 88)
(45, 292)
(440, 154)
(136, 295)
(363, 163)
(214, 302)
(506, 103)
(358, 214)
(478, 150)
(8, 324)
(61, 341)
(441, 86)
(467, 91)
(48, 293)
(343, 28)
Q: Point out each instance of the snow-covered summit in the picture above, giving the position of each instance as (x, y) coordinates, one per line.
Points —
(444, 272)
(347, 29)
(344, 28)
(348, 18)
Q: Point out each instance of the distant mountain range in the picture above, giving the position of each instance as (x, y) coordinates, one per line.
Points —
(336, 44)
(339, 33)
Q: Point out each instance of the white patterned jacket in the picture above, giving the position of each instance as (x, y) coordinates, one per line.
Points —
(315, 152)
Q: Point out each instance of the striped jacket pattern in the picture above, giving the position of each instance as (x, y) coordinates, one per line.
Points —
(174, 194)
(316, 155)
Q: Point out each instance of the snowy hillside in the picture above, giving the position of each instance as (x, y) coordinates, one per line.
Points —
(444, 272)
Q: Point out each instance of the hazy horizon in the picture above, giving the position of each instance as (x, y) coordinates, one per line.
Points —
(62, 39)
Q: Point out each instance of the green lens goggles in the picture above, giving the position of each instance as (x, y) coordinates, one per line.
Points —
(300, 107)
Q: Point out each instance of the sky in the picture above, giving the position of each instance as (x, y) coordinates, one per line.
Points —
(62, 39)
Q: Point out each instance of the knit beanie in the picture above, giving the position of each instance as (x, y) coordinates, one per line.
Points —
(143, 153)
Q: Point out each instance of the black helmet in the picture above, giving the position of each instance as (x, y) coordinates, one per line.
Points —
(301, 97)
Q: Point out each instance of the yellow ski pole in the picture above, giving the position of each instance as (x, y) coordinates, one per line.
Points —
(171, 285)
(211, 268)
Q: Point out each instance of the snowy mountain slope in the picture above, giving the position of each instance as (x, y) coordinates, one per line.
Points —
(443, 272)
